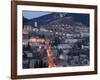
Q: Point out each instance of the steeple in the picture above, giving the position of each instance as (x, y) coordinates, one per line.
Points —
(35, 24)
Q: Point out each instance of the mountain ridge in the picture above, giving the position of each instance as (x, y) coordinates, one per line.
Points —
(46, 19)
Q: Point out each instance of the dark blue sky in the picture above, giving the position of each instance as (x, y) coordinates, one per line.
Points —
(33, 14)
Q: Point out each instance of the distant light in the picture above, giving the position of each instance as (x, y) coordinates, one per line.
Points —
(61, 57)
(50, 31)
(40, 47)
(56, 32)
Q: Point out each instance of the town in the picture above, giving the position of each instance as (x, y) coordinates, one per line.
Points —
(59, 42)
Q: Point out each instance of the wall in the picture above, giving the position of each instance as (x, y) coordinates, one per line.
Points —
(5, 37)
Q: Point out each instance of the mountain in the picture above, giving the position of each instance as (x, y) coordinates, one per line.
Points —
(44, 20)
(83, 18)
(55, 18)
(25, 20)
